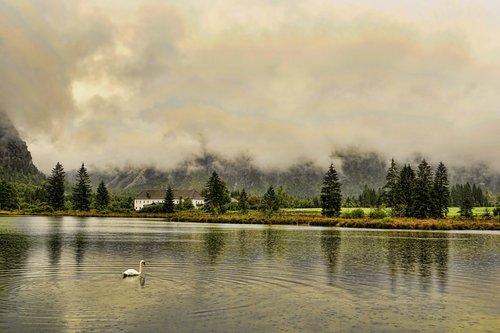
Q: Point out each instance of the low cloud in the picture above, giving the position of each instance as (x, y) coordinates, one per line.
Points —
(150, 83)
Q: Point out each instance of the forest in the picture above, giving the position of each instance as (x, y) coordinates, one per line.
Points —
(410, 192)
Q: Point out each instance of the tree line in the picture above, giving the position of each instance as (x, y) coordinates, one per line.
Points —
(55, 194)
(420, 193)
(81, 194)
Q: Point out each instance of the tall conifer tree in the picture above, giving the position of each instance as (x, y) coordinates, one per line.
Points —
(82, 191)
(331, 196)
(466, 203)
(422, 191)
(216, 195)
(55, 187)
(102, 197)
(440, 192)
(168, 203)
(270, 202)
(243, 204)
(404, 200)
(391, 185)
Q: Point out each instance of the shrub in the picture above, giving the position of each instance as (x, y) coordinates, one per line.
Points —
(387, 219)
(486, 214)
(377, 213)
(38, 208)
(496, 211)
(346, 215)
(357, 213)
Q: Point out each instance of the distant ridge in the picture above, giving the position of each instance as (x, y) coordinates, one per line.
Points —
(301, 179)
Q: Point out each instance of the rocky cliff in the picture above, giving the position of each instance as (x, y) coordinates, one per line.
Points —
(16, 163)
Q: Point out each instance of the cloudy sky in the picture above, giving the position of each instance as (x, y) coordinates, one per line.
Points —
(113, 82)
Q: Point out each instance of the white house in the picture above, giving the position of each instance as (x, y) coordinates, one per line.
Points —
(149, 197)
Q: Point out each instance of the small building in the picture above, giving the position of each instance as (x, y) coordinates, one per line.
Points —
(150, 197)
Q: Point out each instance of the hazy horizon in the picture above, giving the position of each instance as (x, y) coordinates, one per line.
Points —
(156, 82)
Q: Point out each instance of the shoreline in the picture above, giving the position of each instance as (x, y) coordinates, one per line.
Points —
(309, 219)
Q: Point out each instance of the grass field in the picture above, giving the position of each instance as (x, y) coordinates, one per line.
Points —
(453, 211)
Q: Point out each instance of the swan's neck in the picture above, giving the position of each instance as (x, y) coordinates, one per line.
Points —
(140, 268)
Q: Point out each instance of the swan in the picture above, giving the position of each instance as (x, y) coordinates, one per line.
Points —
(133, 272)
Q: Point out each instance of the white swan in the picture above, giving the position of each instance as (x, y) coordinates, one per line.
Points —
(133, 272)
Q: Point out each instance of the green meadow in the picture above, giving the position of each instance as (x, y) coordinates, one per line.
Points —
(452, 211)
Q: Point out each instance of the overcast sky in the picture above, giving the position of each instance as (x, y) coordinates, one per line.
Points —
(153, 82)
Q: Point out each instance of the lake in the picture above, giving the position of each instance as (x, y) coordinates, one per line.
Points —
(64, 274)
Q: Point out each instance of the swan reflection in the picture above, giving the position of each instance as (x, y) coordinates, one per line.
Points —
(136, 279)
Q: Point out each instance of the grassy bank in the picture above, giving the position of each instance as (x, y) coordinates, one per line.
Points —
(297, 218)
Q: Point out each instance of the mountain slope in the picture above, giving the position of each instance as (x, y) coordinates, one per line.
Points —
(16, 163)
(302, 179)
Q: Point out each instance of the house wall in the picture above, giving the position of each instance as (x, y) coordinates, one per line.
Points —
(140, 203)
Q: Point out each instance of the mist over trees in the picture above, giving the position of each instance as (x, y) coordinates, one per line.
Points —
(358, 169)
(367, 181)
(301, 180)
(421, 194)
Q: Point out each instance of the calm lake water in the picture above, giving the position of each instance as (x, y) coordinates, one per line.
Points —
(64, 274)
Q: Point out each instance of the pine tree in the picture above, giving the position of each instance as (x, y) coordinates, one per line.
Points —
(404, 200)
(331, 196)
(216, 195)
(55, 187)
(283, 197)
(102, 197)
(368, 197)
(466, 204)
(391, 185)
(440, 192)
(82, 191)
(422, 191)
(243, 205)
(456, 195)
(270, 202)
(478, 198)
(168, 203)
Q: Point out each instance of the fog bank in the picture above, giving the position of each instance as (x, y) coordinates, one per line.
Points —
(156, 83)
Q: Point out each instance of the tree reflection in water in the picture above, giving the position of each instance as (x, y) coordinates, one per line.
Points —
(55, 241)
(215, 240)
(80, 242)
(419, 255)
(273, 240)
(14, 250)
(330, 245)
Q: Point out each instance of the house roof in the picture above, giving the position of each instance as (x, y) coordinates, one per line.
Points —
(160, 194)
